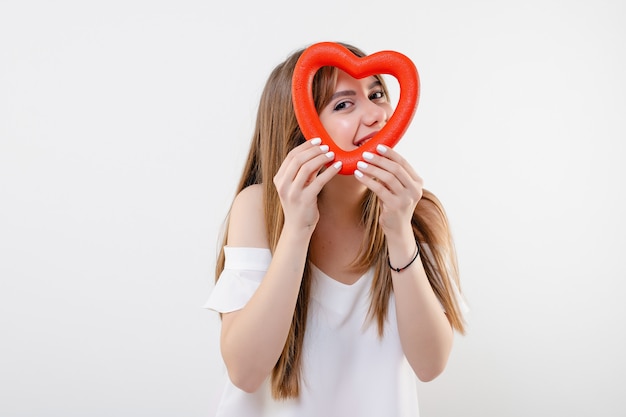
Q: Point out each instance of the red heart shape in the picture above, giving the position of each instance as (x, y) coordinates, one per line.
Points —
(336, 55)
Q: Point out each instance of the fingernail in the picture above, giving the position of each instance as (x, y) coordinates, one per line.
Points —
(368, 155)
(324, 148)
(381, 149)
(338, 164)
(358, 173)
(330, 155)
(315, 141)
(361, 165)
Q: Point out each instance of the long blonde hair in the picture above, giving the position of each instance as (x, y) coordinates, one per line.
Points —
(276, 133)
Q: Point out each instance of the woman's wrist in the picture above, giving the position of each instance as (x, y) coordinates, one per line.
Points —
(402, 268)
(400, 238)
(297, 233)
(401, 248)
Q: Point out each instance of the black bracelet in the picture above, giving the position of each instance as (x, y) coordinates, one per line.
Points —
(417, 252)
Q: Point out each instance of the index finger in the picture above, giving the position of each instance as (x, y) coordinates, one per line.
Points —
(393, 155)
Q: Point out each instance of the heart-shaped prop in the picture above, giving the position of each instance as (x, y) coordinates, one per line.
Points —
(336, 55)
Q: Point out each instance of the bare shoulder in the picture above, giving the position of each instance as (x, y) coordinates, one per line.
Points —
(246, 226)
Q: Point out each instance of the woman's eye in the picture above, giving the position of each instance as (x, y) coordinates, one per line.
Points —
(342, 105)
(377, 95)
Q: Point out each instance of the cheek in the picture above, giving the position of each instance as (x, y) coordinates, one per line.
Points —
(338, 127)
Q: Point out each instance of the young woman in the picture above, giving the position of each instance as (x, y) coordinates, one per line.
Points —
(335, 291)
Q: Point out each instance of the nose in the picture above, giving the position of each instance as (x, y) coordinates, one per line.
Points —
(374, 114)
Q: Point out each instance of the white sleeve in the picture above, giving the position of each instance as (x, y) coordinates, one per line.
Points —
(244, 269)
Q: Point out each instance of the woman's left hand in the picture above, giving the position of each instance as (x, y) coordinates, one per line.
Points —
(396, 184)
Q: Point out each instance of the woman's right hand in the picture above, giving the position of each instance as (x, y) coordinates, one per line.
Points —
(298, 183)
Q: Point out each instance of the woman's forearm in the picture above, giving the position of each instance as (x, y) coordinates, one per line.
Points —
(425, 332)
(253, 337)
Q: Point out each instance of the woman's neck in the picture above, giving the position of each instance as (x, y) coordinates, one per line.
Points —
(341, 200)
(337, 239)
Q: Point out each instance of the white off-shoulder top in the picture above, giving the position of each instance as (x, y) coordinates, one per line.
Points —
(347, 369)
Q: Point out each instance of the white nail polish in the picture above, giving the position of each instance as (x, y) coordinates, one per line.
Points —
(358, 173)
(324, 148)
(381, 149)
(338, 164)
(361, 165)
(368, 155)
(330, 155)
(315, 141)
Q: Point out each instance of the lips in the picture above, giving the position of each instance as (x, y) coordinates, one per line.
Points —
(360, 142)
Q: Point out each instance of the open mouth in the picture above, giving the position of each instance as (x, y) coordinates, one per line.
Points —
(360, 142)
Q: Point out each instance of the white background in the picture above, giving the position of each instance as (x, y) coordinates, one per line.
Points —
(123, 129)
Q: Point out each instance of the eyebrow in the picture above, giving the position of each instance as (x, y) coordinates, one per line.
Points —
(349, 93)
